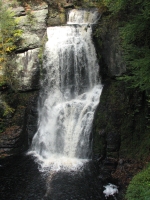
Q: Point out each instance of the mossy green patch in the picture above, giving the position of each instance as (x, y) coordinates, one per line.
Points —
(62, 17)
(139, 187)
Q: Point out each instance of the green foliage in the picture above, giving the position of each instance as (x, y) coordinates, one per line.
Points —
(139, 187)
(7, 109)
(114, 5)
(9, 38)
(135, 36)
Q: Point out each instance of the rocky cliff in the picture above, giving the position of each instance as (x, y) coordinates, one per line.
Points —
(120, 130)
(19, 107)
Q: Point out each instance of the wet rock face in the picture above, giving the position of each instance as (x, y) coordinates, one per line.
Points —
(113, 142)
(55, 18)
(56, 15)
(31, 118)
(28, 70)
(119, 125)
(19, 125)
(107, 43)
(19, 11)
(33, 24)
(108, 117)
(112, 54)
(57, 12)
(9, 140)
(110, 112)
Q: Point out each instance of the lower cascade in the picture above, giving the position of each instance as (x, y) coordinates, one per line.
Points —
(70, 94)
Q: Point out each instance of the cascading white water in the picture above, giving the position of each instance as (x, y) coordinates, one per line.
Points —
(69, 96)
(83, 16)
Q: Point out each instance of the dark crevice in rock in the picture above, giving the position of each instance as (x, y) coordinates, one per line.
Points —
(28, 91)
(68, 5)
(31, 118)
(24, 50)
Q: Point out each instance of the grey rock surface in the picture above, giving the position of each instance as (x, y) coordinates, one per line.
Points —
(27, 70)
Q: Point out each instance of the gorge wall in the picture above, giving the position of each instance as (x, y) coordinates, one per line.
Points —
(120, 130)
(19, 106)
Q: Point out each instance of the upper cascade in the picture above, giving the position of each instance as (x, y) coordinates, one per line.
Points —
(83, 16)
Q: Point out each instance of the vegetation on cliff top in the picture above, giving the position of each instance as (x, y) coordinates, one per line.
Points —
(134, 23)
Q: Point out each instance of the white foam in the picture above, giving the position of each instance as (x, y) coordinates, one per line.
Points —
(110, 190)
(83, 16)
(58, 162)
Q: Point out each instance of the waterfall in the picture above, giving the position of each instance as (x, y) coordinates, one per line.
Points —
(70, 93)
(83, 16)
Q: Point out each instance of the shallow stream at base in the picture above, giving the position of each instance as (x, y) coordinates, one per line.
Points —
(20, 179)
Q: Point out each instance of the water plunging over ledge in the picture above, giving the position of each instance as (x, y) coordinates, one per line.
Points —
(83, 16)
(70, 93)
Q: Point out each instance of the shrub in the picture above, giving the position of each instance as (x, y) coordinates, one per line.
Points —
(139, 187)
